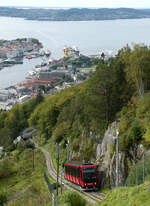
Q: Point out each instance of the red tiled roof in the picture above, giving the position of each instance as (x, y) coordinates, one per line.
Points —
(5, 50)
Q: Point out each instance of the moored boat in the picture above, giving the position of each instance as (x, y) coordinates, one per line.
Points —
(29, 57)
(47, 53)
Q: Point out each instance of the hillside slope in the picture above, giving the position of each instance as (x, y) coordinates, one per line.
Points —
(118, 90)
(131, 196)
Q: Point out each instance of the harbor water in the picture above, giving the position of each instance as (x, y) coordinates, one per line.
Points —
(90, 36)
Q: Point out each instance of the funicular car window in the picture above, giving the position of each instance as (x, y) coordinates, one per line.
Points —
(71, 168)
(89, 174)
(66, 169)
(71, 171)
(89, 169)
(77, 175)
(78, 172)
(81, 175)
(74, 172)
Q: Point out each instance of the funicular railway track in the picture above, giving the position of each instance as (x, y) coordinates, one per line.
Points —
(91, 197)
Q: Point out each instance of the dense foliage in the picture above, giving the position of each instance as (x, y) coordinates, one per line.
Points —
(14, 121)
(135, 124)
(3, 198)
(136, 175)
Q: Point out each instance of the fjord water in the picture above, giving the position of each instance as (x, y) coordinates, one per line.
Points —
(90, 36)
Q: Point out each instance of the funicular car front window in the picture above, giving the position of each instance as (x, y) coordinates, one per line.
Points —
(89, 174)
(89, 170)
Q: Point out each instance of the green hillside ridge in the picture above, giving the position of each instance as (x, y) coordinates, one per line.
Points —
(119, 89)
(75, 14)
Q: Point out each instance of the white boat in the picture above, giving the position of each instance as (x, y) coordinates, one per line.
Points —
(47, 53)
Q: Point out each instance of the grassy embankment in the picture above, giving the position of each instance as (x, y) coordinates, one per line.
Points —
(123, 196)
(22, 175)
(128, 196)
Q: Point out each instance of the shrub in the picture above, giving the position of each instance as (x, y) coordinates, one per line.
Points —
(147, 136)
(70, 198)
(131, 180)
(3, 198)
(6, 168)
(136, 132)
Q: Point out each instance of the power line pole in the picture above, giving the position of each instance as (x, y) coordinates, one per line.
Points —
(67, 150)
(58, 154)
(143, 167)
(136, 175)
(61, 178)
(33, 158)
(117, 158)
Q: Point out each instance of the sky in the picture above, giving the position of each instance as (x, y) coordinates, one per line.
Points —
(78, 3)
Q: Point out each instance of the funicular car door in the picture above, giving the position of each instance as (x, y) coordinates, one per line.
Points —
(81, 178)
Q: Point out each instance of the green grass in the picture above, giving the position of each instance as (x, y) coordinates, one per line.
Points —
(22, 175)
(128, 196)
(52, 149)
(70, 198)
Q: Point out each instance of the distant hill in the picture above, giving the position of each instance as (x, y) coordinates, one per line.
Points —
(74, 14)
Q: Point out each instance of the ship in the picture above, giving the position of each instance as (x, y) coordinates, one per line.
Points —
(29, 57)
(47, 53)
(71, 51)
(12, 61)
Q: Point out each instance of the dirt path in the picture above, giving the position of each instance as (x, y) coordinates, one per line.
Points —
(18, 194)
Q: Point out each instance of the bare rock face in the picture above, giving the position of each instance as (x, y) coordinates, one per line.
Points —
(106, 158)
(104, 149)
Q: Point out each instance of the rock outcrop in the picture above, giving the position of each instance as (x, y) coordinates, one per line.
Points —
(106, 157)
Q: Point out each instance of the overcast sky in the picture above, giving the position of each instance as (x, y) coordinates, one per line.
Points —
(78, 3)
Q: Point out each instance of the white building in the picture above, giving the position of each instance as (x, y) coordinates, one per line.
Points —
(17, 140)
(24, 99)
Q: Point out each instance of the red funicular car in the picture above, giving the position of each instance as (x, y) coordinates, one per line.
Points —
(83, 174)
